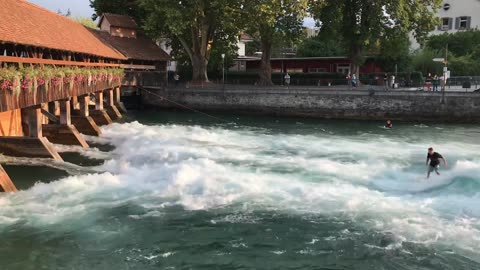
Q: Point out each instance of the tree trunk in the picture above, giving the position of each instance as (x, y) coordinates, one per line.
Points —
(265, 73)
(357, 54)
(199, 69)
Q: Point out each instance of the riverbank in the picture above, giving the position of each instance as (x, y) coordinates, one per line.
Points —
(456, 107)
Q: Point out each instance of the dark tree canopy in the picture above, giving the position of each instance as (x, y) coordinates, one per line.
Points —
(272, 19)
(364, 23)
(123, 7)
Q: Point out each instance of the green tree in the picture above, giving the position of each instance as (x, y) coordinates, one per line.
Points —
(270, 20)
(422, 61)
(86, 21)
(459, 43)
(463, 51)
(194, 26)
(394, 51)
(320, 47)
(122, 7)
(363, 23)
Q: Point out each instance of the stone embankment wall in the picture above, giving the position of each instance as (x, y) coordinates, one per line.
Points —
(338, 104)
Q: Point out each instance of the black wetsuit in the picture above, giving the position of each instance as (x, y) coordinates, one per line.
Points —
(434, 159)
(389, 125)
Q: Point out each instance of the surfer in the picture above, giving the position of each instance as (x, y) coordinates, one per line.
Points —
(389, 124)
(434, 159)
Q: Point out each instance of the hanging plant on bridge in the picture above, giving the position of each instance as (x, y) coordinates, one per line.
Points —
(30, 78)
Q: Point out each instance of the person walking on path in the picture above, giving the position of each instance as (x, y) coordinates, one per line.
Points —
(287, 79)
(435, 83)
(428, 82)
(385, 81)
(354, 80)
(176, 77)
(349, 79)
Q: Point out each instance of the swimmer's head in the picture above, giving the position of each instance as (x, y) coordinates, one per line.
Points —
(430, 150)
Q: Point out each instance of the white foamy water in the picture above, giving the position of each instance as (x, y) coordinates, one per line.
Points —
(376, 181)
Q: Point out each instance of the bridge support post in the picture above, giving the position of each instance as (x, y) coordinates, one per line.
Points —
(33, 143)
(118, 102)
(82, 119)
(6, 183)
(64, 132)
(111, 109)
(99, 115)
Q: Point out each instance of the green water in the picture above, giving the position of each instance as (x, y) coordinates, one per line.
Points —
(172, 190)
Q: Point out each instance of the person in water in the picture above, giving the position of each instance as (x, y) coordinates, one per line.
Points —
(434, 159)
(389, 124)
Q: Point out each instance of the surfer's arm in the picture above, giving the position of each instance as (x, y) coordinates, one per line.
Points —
(444, 161)
(427, 160)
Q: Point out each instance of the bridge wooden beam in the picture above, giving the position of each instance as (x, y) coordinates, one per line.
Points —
(5, 182)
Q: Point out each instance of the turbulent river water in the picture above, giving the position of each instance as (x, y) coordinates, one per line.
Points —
(178, 191)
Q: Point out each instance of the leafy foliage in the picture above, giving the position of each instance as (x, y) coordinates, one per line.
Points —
(194, 27)
(87, 22)
(363, 23)
(463, 48)
(320, 47)
(272, 19)
(122, 7)
(394, 51)
(459, 43)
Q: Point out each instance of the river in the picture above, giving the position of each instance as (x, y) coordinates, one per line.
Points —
(180, 191)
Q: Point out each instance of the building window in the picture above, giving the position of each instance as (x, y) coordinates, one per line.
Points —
(295, 70)
(463, 22)
(446, 24)
(343, 68)
(316, 70)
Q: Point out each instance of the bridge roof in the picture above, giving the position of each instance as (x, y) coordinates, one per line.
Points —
(28, 24)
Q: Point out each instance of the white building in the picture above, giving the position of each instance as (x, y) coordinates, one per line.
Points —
(240, 63)
(312, 32)
(164, 44)
(456, 15)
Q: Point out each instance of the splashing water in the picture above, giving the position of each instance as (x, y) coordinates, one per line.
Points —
(337, 195)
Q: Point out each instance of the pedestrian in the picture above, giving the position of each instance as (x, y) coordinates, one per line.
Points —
(176, 77)
(392, 79)
(385, 81)
(428, 82)
(349, 79)
(287, 79)
(435, 83)
(354, 80)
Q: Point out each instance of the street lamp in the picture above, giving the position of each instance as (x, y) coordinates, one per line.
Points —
(223, 69)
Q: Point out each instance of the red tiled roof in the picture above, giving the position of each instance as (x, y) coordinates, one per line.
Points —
(139, 48)
(118, 20)
(28, 24)
(245, 36)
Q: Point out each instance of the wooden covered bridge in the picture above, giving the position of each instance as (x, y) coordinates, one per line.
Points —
(59, 80)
